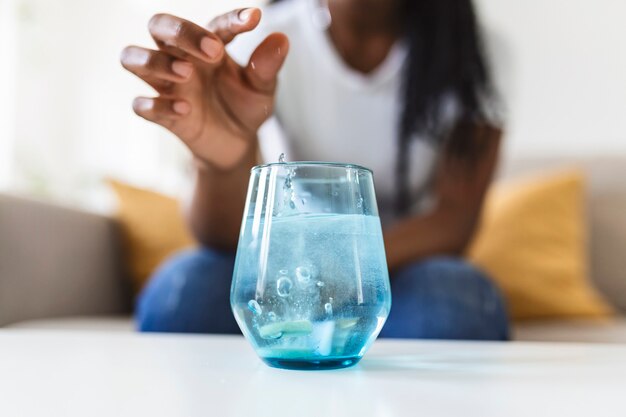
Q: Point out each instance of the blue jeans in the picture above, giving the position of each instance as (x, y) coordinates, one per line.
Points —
(439, 298)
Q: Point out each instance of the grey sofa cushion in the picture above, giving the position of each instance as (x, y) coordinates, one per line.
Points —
(606, 207)
(613, 331)
(57, 262)
(91, 323)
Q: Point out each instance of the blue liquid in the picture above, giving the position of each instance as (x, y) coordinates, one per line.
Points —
(312, 364)
(311, 291)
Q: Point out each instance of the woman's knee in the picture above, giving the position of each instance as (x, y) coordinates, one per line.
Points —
(446, 298)
(189, 293)
(446, 275)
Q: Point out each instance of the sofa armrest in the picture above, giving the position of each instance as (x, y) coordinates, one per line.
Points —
(58, 262)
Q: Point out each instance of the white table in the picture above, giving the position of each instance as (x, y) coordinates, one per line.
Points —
(47, 373)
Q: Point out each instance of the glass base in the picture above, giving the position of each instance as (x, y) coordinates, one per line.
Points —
(312, 364)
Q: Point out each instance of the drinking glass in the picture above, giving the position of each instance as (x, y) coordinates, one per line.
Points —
(311, 286)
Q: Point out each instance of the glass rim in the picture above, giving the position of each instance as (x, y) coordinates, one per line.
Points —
(313, 164)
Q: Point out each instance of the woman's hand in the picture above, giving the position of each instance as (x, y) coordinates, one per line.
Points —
(206, 99)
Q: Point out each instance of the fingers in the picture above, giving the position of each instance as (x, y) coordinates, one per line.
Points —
(183, 38)
(152, 65)
(266, 61)
(164, 111)
(231, 24)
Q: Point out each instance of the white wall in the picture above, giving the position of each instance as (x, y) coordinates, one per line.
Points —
(72, 123)
(66, 121)
(8, 51)
(563, 67)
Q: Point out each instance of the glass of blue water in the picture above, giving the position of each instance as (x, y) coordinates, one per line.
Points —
(311, 286)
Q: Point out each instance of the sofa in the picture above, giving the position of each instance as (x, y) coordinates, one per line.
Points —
(62, 268)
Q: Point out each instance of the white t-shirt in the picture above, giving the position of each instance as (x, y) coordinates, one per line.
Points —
(327, 111)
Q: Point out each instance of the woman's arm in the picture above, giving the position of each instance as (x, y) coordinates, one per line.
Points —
(461, 183)
(214, 216)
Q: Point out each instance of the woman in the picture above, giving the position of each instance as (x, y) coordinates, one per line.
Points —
(398, 86)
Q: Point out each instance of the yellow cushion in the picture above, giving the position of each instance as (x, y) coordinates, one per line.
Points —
(152, 227)
(532, 241)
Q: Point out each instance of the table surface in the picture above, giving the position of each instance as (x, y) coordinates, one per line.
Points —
(51, 373)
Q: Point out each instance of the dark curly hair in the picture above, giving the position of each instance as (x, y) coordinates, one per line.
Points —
(445, 60)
